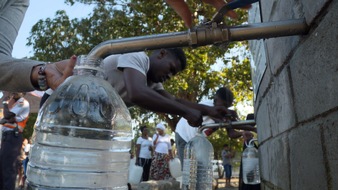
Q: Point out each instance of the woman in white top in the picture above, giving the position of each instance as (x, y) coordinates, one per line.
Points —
(159, 169)
(144, 152)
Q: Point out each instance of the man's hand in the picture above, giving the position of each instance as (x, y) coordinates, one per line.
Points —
(247, 135)
(182, 9)
(194, 118)
(57, 72)
(219, 113)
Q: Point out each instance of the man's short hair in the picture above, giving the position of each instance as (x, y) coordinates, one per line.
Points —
(142, 128)
(179, 53)
(225, 94)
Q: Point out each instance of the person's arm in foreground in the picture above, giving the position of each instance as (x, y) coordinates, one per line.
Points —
(20, 75)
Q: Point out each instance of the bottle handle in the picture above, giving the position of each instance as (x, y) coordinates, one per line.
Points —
(250, 144)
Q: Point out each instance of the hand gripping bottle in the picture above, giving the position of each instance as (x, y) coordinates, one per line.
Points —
(197, 164)
(250, 163)
(82, 135)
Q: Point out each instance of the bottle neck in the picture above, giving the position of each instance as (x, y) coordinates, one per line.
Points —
(89, 66)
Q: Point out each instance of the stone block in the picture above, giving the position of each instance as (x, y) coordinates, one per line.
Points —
(306, 157)
(274, 162)
(280, 104)
(264, 161)
(258, 63)
(263, 122)
(263, 86)
(312, 8)
(254, 14)
(276, 10)
(285, 46)
(314, 69)
(330, 131)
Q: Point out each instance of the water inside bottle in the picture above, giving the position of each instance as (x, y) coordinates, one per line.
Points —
(82, 138)
(197, 166)
(251, 171)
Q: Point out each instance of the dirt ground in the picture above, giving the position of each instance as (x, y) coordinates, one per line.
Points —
(221, 184)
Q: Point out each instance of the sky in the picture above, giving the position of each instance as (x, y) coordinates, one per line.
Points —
(42, 9)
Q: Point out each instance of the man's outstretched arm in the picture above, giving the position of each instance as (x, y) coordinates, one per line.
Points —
(216, 112)
(141, 95)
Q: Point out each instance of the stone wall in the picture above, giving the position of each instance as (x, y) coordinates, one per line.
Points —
(296, 96)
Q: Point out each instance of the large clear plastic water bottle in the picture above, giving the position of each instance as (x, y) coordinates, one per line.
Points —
(250, 161)
(197, 164)
(82, 135)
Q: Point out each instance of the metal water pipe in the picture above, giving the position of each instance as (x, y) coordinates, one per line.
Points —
(200, 36)
(228, 125)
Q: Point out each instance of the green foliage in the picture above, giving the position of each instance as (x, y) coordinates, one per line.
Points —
(28, 131)
(219, 138)
(60, 37)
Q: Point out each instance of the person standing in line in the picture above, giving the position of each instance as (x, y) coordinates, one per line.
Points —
(159, 169)
(227, 155)
(144, 152)
(173, 147)
(16, 112)
(20, 165)
(25, 162)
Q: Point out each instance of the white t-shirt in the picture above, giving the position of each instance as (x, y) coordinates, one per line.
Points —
(21, 110)
(114, 64)
(144, 147)
(163, 144)
(186, 131)
(27, 148)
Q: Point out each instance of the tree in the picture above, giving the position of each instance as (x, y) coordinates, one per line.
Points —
(28, 131)
(59, 38)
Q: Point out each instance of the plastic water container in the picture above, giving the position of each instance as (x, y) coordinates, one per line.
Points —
(250, 161)
(197, 166)
(216, 168)
(175, 168)
(135, 174)
(82, 135)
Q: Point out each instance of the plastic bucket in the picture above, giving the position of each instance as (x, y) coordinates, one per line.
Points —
(135, 173)
(175, 168)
